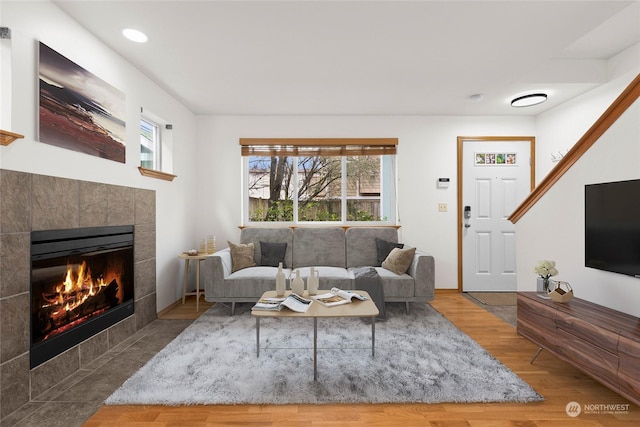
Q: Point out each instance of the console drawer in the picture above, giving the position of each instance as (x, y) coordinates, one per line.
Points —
(603, 338)
(589, 358)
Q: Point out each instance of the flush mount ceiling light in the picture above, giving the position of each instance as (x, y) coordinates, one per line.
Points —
(529, 100)
(135, 35)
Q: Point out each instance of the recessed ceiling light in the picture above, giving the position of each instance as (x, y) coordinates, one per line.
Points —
(135, 35)
(476, 97)
(529, 100)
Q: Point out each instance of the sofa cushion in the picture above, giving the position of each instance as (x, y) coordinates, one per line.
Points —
(315, 246)
(395, 286)
(251, 282)
(330, 277)
(361, 244)
(384, 248)
(272, 254)
(399, 260)
(256, 235)
(241, 256)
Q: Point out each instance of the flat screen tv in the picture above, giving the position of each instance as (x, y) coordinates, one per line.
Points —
(612, 227)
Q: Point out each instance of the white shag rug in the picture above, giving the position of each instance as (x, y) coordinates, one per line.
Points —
(419, 357)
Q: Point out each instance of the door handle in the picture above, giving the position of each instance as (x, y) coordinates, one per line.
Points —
(467, 216)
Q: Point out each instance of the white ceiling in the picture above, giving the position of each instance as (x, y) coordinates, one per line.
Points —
(366, 57)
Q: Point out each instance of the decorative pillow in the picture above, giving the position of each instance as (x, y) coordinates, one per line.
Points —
(241, 256)
(384, 248)
(271, 254)
(399, 260)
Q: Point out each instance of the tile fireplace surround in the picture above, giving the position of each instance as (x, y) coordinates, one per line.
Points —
(30, 202)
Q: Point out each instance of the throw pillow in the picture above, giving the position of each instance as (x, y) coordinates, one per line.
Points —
(399, 260)
(271, 254)
(384, 248)
(241, 256)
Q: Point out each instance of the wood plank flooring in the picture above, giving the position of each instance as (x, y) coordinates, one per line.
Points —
(558, 382)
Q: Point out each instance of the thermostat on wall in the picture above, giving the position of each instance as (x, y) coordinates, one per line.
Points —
(443, 182)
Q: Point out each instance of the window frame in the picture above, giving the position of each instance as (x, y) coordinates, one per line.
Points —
(384, 147)
(156, 141)
(163, 162)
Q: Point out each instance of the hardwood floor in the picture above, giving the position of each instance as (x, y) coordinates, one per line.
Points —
(559, 383)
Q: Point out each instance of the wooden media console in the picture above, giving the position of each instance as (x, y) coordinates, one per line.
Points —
(601, 342)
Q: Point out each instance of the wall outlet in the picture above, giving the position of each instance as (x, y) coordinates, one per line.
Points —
(442, 207)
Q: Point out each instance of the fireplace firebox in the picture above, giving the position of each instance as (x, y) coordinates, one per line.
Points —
(82, 282)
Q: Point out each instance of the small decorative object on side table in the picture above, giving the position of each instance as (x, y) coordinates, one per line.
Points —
(545, 269)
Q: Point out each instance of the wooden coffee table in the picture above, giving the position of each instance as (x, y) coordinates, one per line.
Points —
(357, 308)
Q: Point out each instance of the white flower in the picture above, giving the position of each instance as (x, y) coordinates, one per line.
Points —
(546, 269)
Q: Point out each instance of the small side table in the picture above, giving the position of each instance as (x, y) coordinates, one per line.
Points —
(197, 258)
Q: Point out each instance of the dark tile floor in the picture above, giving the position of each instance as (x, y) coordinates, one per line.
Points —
(79, 397)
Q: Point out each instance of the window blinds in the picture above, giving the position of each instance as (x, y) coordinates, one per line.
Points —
(277, 147)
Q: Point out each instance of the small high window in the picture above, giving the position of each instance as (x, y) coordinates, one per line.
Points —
(150, 144)
(156, 147)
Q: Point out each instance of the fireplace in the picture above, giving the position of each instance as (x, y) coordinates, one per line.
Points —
(81, 283)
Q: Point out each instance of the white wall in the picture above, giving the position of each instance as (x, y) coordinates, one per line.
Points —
(554, 227)
(560, 128)
(31, 22)
(206, 199)
(426, 151)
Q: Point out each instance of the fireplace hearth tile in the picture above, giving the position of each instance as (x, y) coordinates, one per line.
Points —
(93, 204)
(145, 310)
(93, 348)
(53, 371)
(126, 344)
(62, 387)
(14, 321)
(145, 207)
(145, 242)
(159, 338)
(145, 278)
(14, 263)
(101, 382)
(54, 203)
(22, 413)
(15, 209)
(121, 331)
(120, 205)
(14, 384)
(73, 411)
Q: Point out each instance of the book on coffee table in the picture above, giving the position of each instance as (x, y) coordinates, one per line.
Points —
(338, 297)
(293, 302)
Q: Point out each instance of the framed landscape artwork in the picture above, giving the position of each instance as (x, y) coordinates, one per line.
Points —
(79, 111)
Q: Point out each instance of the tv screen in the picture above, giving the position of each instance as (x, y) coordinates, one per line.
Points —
(612, 227)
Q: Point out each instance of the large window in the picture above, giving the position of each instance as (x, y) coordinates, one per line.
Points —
(310, 180)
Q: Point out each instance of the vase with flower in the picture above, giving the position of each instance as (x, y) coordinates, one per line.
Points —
(545, 269)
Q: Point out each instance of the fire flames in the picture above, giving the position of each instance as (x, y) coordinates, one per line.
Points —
(75, 289)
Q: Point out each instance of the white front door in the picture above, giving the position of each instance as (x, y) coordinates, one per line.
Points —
(496, 177)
